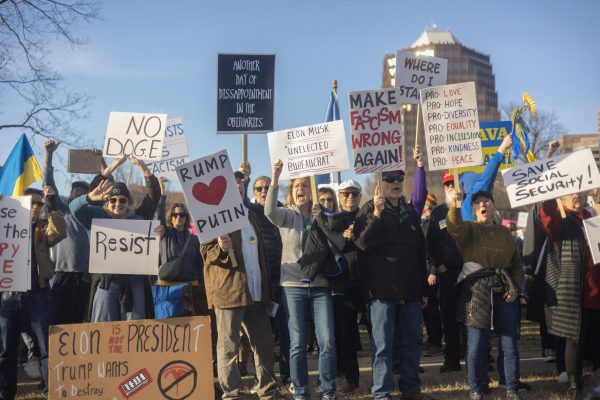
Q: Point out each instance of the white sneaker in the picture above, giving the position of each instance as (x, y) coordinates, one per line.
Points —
(549, 355)
(563, 377)
(32, 369)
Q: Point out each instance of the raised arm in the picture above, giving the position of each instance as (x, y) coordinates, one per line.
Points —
(460, 230)
(50, 146)
(419, 194)
(150, 202)
(83, 211)
(279, 216)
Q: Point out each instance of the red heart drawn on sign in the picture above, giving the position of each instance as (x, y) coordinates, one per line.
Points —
(210, 194)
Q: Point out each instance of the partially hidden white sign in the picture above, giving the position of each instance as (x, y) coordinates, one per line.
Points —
(592, 231)
(376, 123)
(451, 125)
(138, 134)
(415, 72)
(551, 178)
(174, 152)
(310, 150)
(15, 242)
(124, 246)
(212, 196)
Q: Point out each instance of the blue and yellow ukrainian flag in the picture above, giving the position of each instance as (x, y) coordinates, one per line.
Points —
(20, 170)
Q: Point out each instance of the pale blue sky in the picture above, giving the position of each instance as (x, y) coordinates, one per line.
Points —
(151, 56)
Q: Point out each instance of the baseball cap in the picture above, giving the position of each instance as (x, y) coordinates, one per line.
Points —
(350, 183)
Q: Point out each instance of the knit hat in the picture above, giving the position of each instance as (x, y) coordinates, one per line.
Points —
(120, 189)
(431, 201)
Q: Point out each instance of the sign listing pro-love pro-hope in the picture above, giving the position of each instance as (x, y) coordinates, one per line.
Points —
(212, 196)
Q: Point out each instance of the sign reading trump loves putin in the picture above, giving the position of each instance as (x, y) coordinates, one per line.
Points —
(138, 134)
(211, 193)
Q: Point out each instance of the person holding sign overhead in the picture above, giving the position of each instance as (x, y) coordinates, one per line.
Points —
(294, 222)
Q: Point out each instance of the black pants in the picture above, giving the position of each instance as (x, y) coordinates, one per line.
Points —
(448, 298)
(347, 338)
(548, 340)
(432, 317)
(589, 330)
(70, 294)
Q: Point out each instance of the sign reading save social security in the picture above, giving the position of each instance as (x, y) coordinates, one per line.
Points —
(451, 125)
(310, 150)
(15, 241)
(377, 139)
(212, 196)
(415, 72)
(492, 134)
(551, 178)
(174, 153)
(137, 134)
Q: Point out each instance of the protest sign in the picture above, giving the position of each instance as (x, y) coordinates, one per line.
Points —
(415, 72)
(492, 134)
(376, 123)
(592, 232)
(84, 162)
(522, 220)
(245, 92)
(124, 246)
(15, 242)
(310, 150)
(551, 178)
(212, 196)
(144, 359)
(451, 124)
(174, 152)
(138, 134)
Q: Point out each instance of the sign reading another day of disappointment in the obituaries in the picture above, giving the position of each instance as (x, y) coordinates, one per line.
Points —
(451, 125)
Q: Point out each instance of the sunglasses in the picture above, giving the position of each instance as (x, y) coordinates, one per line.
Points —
(261, 189)
(326, 200)
(392, 179)
(353, 193)
(180, 215)
(121, 200)
(37, 203)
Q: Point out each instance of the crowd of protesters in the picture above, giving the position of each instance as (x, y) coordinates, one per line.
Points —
(311, 269)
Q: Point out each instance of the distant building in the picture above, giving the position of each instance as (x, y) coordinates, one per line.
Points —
(464, 65)
(570, 143)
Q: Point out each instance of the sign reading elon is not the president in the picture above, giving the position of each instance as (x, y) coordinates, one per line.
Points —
(212, 196)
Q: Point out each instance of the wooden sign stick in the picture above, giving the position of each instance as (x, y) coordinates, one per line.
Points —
(313, 190)
(418, 124)
(456, 184)
(245, 148)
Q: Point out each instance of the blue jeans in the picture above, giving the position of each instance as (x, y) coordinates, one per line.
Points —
(106, 306)
(389, 319)
(506, 325)
(298, 303)
(38, 306)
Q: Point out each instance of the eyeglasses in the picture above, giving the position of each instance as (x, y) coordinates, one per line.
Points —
(261, 189)
(120, 199)
(180, 215)
(353, 193)
(326, 200)
(484, 201)
(37, 203)
(392, 179)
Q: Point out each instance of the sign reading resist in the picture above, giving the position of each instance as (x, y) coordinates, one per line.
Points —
(245, 92)
(174, 152)
(451, 124)
(212, 195)
(415, 72)
(15, 242)
(310, 150)
(377, 140)
(124, 246)
(551, 178)
(138, 134)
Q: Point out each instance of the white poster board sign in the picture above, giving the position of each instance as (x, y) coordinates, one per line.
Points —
(415, 72)
(124, 246)
(138, 134)
(376, 123)
(551, 178)
(592, 232)
(310, 150)
(212, 196)
(522, 220)
(451, 125)
(174, 151)
(15, 242)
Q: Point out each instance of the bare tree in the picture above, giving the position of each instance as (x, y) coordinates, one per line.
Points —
(27, 28)
(543, 128)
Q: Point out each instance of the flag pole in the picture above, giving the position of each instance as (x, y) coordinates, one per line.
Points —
(418, 124)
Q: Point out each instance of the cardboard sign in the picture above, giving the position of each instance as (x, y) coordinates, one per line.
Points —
(174, 152)
(15, 243)
(310, 150)
(84, 162)
(415, 72)
(551, 178)
(245, 92)
(451, 124)
(135, 133)
(522, 219)
(211, 193)
(592, 233)
(377, 139)
(144, 359)
(124, 246)
(492, 134)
